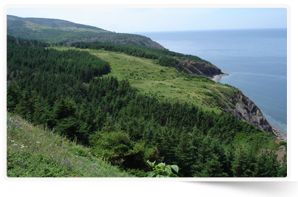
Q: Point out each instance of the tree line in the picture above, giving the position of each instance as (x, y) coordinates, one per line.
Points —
(164, 57)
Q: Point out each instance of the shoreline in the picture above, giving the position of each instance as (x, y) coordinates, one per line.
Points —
(276, 132)
(216, 78)
(279, 134)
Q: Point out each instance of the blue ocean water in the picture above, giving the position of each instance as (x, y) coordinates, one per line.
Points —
(255, 59)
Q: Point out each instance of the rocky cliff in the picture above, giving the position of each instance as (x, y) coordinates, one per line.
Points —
(246, 110)
(201, 68)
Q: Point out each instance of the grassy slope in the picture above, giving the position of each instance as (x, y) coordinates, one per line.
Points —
(166, 83)
(35, 152)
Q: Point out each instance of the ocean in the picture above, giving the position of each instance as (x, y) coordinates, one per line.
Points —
(255, 59)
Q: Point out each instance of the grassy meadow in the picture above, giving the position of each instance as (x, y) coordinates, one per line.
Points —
(165, 82)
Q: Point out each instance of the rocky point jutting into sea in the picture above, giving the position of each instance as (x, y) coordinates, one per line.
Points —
(245, 109)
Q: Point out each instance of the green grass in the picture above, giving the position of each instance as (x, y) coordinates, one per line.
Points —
(33, 151)
(164, 82)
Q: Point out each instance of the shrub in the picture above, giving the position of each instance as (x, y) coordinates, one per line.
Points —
(162, 170)
(77, 150)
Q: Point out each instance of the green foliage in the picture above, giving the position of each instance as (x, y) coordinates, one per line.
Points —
(79, 151)
(13, 96)
(65, 92)
(26, 164)
(162, 170)
(136, 172)
(164, 57)
(33, 151)
(60, 32)
(117, 148)
(283, 143)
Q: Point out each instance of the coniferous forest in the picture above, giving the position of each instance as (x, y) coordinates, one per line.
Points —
(68, 93)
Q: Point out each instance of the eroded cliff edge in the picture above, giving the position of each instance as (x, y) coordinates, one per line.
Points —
(246, 110)
(201, 68)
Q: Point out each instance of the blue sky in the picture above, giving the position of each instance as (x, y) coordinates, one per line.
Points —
(128, 20)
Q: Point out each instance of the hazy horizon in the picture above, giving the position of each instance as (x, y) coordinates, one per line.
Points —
(132, 20)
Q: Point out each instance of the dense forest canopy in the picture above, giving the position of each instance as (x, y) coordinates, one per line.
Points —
(68, 92)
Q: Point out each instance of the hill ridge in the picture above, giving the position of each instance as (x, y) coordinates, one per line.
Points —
(62, 32)
(55, 23)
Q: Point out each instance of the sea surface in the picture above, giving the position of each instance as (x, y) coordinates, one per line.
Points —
(255, 59)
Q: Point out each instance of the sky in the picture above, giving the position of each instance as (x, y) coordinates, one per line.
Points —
(130, 20)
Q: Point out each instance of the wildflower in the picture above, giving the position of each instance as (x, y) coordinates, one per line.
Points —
(22, 146)
(15, 144)
(38, 142)
(12, 140)
(59, 163)
(58, 157)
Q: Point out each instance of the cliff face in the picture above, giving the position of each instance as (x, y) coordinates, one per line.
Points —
(247, 110)
(201, 68)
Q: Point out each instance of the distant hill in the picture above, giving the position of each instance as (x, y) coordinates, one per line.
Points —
(62, 32)
(54, 23)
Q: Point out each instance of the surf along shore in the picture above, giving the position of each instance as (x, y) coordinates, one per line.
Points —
(216, 78)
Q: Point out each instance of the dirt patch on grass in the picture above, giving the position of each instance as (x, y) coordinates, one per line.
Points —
(281, 150)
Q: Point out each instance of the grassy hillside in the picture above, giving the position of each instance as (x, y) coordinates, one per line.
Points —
(127, 110)
(33, 151)
(165, 83)
(62, 32)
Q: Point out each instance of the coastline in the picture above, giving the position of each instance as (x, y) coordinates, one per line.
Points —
(276, 132)
(216, 78)
(279, 134)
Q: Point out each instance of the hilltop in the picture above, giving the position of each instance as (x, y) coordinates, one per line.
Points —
(62, 32)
